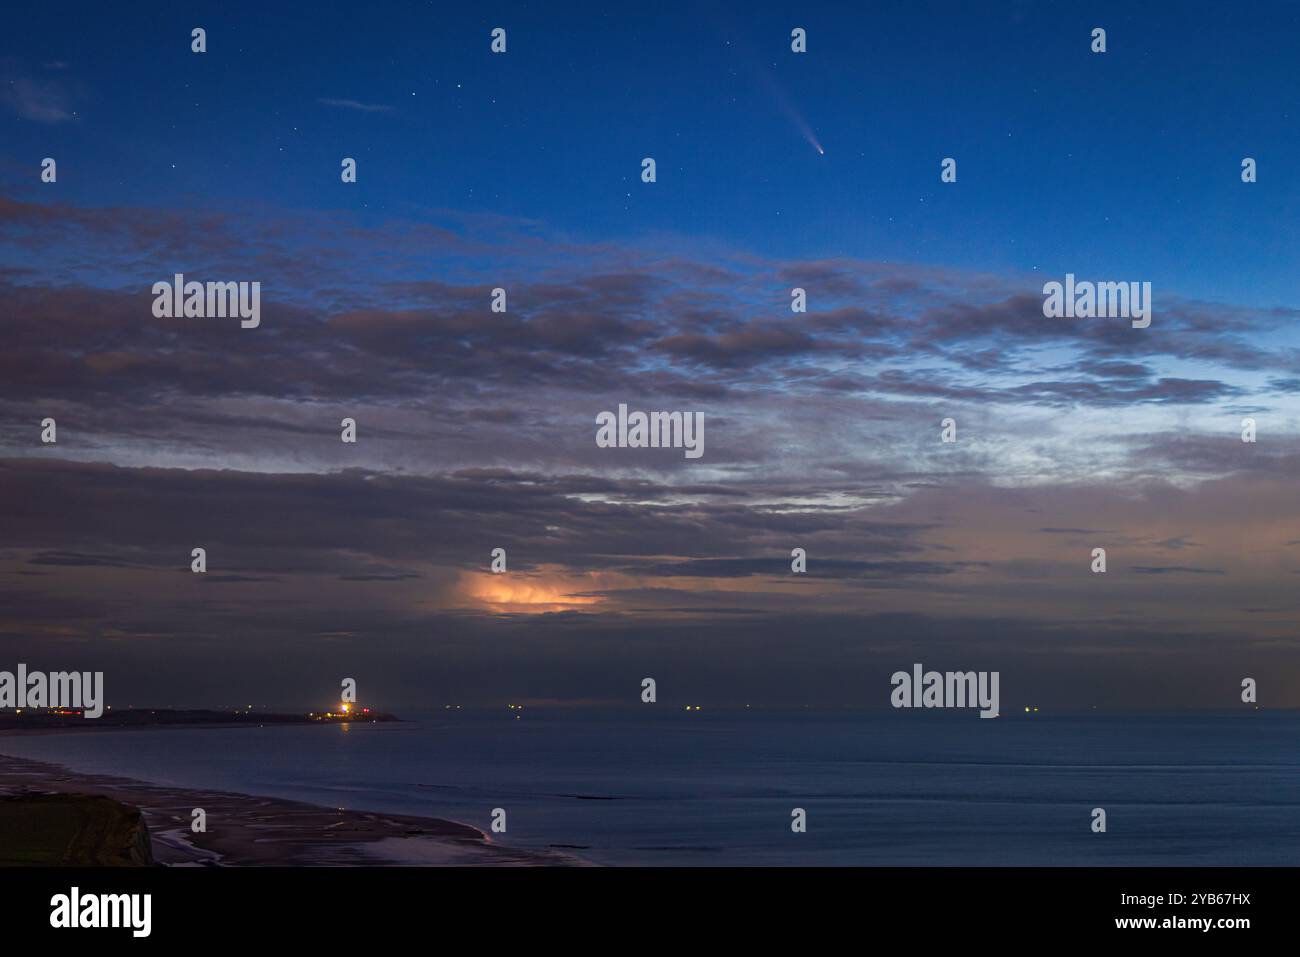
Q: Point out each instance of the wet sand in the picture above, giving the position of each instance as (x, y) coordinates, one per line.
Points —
(244, 830)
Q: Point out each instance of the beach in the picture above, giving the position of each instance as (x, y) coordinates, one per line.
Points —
(244, 830)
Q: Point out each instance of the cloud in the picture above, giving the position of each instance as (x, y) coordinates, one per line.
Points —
(78, 559)
(391, 570)
(815, 416)
(356, 105)
(41, 99)
(476, 430)
(1174, 570)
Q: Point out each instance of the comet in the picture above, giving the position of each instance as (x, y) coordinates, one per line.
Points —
(764, 73)
(792, 113)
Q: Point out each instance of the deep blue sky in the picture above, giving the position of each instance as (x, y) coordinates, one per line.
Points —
(1123, 165)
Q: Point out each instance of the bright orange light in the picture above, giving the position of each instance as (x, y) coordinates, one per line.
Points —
(528, 595)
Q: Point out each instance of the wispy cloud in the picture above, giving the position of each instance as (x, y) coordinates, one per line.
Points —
(45, 101)
(356, 105)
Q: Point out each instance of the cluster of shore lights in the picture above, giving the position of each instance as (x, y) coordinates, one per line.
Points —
(346, 709)
(692, 707)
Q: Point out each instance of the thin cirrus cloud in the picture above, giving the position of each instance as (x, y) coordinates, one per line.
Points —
(37, 95)
(348, 104)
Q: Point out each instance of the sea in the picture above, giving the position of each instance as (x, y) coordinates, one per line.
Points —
(722, 788)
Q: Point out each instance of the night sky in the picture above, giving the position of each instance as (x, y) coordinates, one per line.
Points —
(477, 429)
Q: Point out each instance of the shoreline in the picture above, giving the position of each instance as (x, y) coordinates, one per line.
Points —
(96, 728)
(56, 721)
(245, 830)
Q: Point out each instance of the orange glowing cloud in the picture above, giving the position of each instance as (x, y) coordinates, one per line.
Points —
(529, 594)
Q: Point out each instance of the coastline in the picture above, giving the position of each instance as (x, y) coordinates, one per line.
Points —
(245, 830)
(56, 721)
